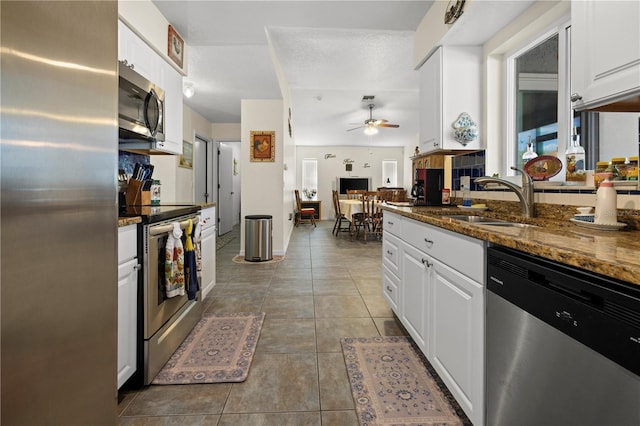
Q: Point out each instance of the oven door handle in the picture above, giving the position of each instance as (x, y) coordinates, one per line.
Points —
(163, 229)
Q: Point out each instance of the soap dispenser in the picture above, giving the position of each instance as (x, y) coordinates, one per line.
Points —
(606, 204)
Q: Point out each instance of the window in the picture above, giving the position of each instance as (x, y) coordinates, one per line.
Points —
(390, 173)
(310, 175)
(538, 83)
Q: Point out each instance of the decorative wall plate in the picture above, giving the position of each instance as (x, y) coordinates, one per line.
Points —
(543, 167)
(465, 129)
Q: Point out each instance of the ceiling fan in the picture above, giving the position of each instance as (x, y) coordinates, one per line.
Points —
(371, 125)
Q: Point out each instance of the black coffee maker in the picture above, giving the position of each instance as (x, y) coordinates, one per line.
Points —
(427, 187)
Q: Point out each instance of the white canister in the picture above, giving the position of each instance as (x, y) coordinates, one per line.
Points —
(606, 204)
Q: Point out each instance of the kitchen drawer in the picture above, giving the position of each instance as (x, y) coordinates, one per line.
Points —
(390, 286)
(127, 242)
(462, 253)
(392, 223)
(391, 252)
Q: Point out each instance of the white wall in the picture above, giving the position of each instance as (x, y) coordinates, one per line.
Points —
(262, 182)
(330, 168)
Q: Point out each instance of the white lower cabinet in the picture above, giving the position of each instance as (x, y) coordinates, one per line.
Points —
(127, 302)
(456, 330)
(439, 292)
(208, 250)
(415, 282)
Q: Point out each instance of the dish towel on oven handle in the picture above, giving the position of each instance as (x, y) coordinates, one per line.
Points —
(190, 264)
(174, 263)
(197, 238)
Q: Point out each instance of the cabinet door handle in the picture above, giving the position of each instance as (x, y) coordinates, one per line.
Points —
(389, 252)
(389, 289)
(389, 223)
(137, 267)
(575, 97)
(426, 263)
(428, 241)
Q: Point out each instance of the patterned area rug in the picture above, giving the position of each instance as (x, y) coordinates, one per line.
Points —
(392, 386)
(219, 349)
(240, 259)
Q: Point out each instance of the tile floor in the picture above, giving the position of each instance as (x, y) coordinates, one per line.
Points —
(326, 288)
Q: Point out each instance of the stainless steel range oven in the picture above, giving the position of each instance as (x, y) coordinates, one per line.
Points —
(163, 323)
(166, 321)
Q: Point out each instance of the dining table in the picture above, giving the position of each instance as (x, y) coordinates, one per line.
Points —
(349, 207)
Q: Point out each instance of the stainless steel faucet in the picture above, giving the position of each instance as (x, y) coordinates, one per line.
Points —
(524, 193)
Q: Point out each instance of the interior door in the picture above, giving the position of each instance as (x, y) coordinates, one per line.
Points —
(203, 170)
(225, 189)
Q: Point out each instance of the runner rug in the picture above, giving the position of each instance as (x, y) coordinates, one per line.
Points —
(392, 386)
(219, 349)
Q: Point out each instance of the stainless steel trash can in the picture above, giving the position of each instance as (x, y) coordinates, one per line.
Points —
(258, 238)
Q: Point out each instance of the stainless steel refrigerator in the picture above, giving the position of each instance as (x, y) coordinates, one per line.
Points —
(58, 212)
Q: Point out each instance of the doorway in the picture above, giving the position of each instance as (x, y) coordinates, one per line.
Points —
(227, 170)
(205, 171)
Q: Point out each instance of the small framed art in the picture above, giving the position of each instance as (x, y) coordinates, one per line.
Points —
(263, 146)
(175, 47)
(186, 159)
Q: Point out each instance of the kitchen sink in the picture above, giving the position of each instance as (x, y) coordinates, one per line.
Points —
(486, 221)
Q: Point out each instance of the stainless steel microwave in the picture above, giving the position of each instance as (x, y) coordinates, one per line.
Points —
(140, 108)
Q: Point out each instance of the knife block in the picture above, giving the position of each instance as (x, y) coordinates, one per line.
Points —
(134, 193)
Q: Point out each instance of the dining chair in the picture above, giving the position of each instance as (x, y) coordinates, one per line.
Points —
(304, 215)
(355, 194)
(372, 194)
(340, 217)
(372, 217)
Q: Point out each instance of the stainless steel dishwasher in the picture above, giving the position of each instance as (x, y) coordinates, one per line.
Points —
(563, 345)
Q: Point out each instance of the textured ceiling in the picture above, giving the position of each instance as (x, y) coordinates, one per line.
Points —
(330, 52)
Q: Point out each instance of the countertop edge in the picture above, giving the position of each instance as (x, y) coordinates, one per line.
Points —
(536, 241)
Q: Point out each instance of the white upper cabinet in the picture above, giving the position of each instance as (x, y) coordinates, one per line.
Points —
(138, 54)
(450, 84)
(171, 82)
(146, 62)
(605, 52)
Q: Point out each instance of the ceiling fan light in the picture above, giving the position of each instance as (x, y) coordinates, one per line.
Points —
(370, 130)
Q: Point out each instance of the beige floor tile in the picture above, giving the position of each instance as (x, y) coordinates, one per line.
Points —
(340, 307)
(329, 331)
(277, 383)
(272, 419)
(186, 420)
(288, 306)
(390, 327)
(377, 306)
(335, 390)
(235, 303)
(286, 336)
(179, 399)
(340, 286)
(290, 287)
(339, 418)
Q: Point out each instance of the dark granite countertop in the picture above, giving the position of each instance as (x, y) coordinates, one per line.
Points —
(125, 221)
(613, 254)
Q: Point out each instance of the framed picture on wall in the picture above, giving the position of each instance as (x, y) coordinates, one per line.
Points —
(186, 159)
(175, 49)
(263, 146)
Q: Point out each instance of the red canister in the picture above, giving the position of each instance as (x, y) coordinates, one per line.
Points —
(446, 196)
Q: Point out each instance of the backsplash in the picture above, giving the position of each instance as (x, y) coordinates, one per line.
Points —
(128, 160)
(467, 165)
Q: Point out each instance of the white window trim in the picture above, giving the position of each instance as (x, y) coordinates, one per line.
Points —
(564, 108)
(394, 181)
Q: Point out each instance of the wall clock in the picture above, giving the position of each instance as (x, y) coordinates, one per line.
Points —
(453, 11)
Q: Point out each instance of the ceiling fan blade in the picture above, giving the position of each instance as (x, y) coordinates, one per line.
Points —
(355, 128)
(381, 121)
(389, 125)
